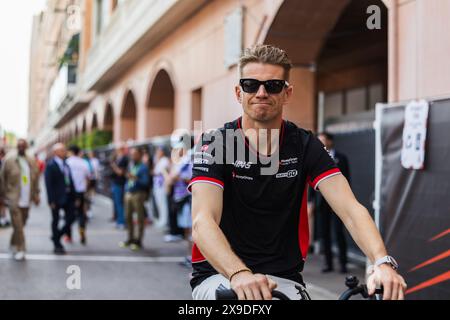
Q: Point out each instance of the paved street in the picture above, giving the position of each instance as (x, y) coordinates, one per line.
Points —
(110, 272)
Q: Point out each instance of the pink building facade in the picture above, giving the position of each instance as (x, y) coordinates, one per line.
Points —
(149, 67)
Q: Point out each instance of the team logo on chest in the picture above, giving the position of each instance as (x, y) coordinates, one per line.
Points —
(288, 174)
(242, 164)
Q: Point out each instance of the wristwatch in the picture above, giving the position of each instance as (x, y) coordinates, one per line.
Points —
(387, 260)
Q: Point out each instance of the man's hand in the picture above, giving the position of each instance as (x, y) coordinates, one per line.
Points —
(394, 285)
(37, 200)
(53, 206)
(249, 286)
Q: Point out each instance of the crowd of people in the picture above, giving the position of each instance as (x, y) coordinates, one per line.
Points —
(149, 188)
(145, 189)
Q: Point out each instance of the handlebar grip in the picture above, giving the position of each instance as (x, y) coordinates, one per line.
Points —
(379, 291)
(223, 293)
(362, 290)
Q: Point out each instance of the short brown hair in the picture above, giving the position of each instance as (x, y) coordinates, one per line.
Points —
(263, 53)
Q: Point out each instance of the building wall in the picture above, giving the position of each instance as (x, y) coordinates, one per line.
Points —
(420, 48)
(50, 37)
(193, 57)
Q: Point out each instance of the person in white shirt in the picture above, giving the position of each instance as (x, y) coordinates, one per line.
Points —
(162, 166)
(80, 175)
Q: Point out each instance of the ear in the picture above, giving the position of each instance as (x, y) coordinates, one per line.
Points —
(288, 94)
(238, 93)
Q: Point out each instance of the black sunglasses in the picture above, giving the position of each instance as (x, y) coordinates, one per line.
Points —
(271, 86)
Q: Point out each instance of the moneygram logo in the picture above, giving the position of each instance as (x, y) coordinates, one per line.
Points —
(289, 174)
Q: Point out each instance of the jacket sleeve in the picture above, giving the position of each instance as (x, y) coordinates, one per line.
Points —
(35, 172)
(48, 183)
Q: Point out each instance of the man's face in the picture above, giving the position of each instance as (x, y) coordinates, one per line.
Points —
(135, 155)
(22, 146)
(262, 106)
(61, 152)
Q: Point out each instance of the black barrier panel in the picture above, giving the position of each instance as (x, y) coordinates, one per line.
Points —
(359, 147)
(415, 204)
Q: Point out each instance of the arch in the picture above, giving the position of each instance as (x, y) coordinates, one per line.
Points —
(84, 126)
(326, 39)
(128, 127)
(94, 122)
(76, 131)
(108, 118)
(352, 66)
(300, 27)
(160, 105)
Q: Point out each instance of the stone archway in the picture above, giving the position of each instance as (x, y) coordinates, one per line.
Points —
(308, 30)
(128, 124)
(160, 105)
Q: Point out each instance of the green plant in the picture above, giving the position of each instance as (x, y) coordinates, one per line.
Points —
(92, 140)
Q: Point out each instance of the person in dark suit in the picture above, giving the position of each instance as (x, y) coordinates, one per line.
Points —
(60, 193)
(327, 220)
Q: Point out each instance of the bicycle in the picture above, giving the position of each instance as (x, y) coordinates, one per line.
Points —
(352, 282)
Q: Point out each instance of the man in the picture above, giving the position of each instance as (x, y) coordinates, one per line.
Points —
(4, 222)
(135, 196)
(80, 175)
(118, 179)
(327, 220)
(94, 168)
(60, 193)
(247, 230)
(20, 186)
(161, 168)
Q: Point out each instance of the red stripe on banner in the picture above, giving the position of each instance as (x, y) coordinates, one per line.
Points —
(432, 260)
(303, 225)
(197, 256)
(324, 175)
(441, 278)
(440, 235)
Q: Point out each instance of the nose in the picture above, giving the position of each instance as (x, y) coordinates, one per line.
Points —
(262, 93)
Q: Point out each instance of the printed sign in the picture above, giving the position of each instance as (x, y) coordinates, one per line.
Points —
(414, 135)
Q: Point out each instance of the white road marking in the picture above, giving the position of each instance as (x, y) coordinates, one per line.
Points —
(319, 293)
(51, 257)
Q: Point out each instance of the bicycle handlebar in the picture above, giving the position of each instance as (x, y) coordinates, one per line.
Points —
(223, 293)
(362, 290)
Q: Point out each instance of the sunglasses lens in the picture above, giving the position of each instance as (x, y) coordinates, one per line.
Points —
(271, 86)
(274, 86)
(250, 85)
